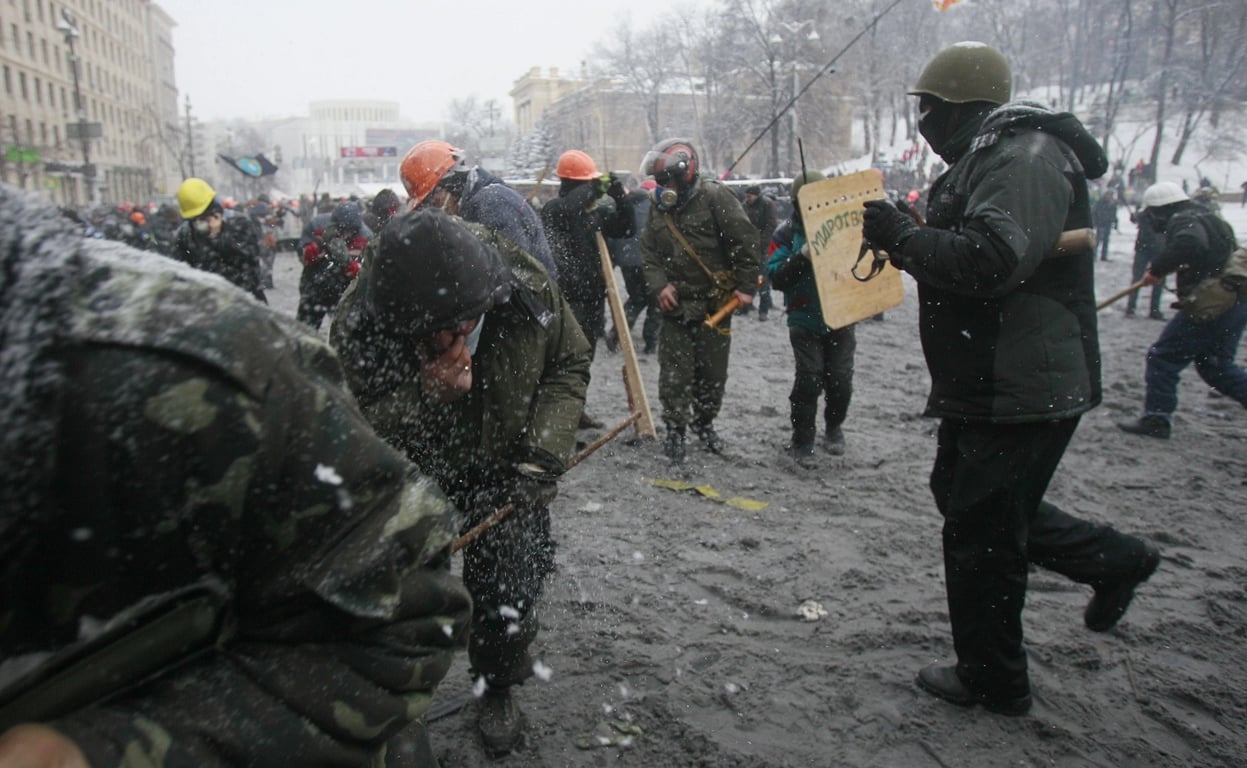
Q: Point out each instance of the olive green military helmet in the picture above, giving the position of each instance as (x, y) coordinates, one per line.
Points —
(803, 178)
(964, 72)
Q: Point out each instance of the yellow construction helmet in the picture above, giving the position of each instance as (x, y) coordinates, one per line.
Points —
(194, 197)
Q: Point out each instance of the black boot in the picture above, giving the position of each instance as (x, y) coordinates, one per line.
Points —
(833, 442)
(673, 444)
(500, 721)
(1110, 601)
(943, 681)
(1148, 426)
(709, 437)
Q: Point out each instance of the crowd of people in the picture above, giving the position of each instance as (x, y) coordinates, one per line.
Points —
(246, 528)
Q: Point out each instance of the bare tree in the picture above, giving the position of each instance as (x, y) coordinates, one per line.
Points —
(635, 58)
(1217, 65)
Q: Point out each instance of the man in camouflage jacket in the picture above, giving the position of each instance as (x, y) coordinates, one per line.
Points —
(463, 353)
(162, 432)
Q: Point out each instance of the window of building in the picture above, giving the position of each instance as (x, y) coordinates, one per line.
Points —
(56, 56)
(38, 92)
(8, 81)
(51, 95)
(30, 131)
(56, 135)
(39, 5)
(30, 45)
(21, 80)
(17, 39)
(43, 134)
(43, 44)
(26, 8)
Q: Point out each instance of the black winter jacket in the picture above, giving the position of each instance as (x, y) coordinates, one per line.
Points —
(1008, 325)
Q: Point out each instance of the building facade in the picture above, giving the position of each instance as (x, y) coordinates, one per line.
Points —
(102, 69)
(602, 117)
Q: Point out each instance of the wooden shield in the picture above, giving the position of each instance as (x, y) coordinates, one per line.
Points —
(832, 212)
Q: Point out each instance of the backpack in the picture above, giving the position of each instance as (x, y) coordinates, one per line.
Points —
(1215, 295)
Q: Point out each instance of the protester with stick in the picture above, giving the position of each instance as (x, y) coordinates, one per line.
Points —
(700, 251)
(463, 353)
(1008, 326)
(1197, 245)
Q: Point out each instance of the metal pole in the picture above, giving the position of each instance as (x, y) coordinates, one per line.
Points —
(88, 172)
(190, 136)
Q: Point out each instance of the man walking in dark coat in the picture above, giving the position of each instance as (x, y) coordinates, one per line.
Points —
(226, 247)
(1008, 327)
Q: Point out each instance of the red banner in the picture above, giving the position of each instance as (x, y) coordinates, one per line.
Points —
(368, 152)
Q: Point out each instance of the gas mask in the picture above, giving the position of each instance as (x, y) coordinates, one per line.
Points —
(201, 226)
(664, 198)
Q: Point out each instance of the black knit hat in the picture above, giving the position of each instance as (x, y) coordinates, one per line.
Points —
(432, 274)
(753, 189)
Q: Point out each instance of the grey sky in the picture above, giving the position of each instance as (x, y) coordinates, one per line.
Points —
(258, 58)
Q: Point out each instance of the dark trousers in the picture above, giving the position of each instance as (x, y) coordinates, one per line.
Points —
(640, 300)
(824, 366)
(1211, 345)
(1101, 237)
(692, 371)
(321, 285)
(989, 482)
(505, 571)
(1141, 260)
(591, 315)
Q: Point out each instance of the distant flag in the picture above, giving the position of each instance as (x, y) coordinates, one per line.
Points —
(251, 166)
(944, 5)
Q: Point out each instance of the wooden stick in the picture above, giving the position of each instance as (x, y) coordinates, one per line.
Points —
(501, 513)
(1123, 292)
(731, 306)
(537, 188)
(634, 386)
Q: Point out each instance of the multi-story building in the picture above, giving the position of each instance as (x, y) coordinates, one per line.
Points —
(99, 68)
(342, 144)
(599, 115)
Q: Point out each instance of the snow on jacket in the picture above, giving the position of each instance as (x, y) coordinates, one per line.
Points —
(489, 201)
(1008, 325)
(530, 376)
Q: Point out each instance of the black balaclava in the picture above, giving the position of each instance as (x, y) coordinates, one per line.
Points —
(950, 127)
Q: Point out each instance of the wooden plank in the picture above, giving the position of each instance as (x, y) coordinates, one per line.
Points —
(638, 403)
(832, 212)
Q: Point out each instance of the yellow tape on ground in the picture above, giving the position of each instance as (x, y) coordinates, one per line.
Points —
(737, 502)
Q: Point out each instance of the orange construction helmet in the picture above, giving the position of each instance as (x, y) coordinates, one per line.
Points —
(424, 166)
(574, 164)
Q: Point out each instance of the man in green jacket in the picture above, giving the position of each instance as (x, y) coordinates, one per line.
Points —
(186, 482)
(699, 250)
(464, 354)
(1008, 327)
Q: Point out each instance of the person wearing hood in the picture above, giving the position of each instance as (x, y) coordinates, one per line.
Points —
(436, 175)
(1008, 328)
(700, 251)
(1197, 244)
(572, 222)
(207, 553)
(463, 353)
(228, 247)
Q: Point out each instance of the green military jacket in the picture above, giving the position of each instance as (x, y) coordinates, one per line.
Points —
(198, 436)
(718, 230)
(530, 375)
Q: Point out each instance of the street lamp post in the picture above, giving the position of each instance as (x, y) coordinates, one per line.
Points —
(68, 27)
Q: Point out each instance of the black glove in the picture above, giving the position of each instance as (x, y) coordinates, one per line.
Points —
(531, 486)
(615, 187)
(884, 226)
